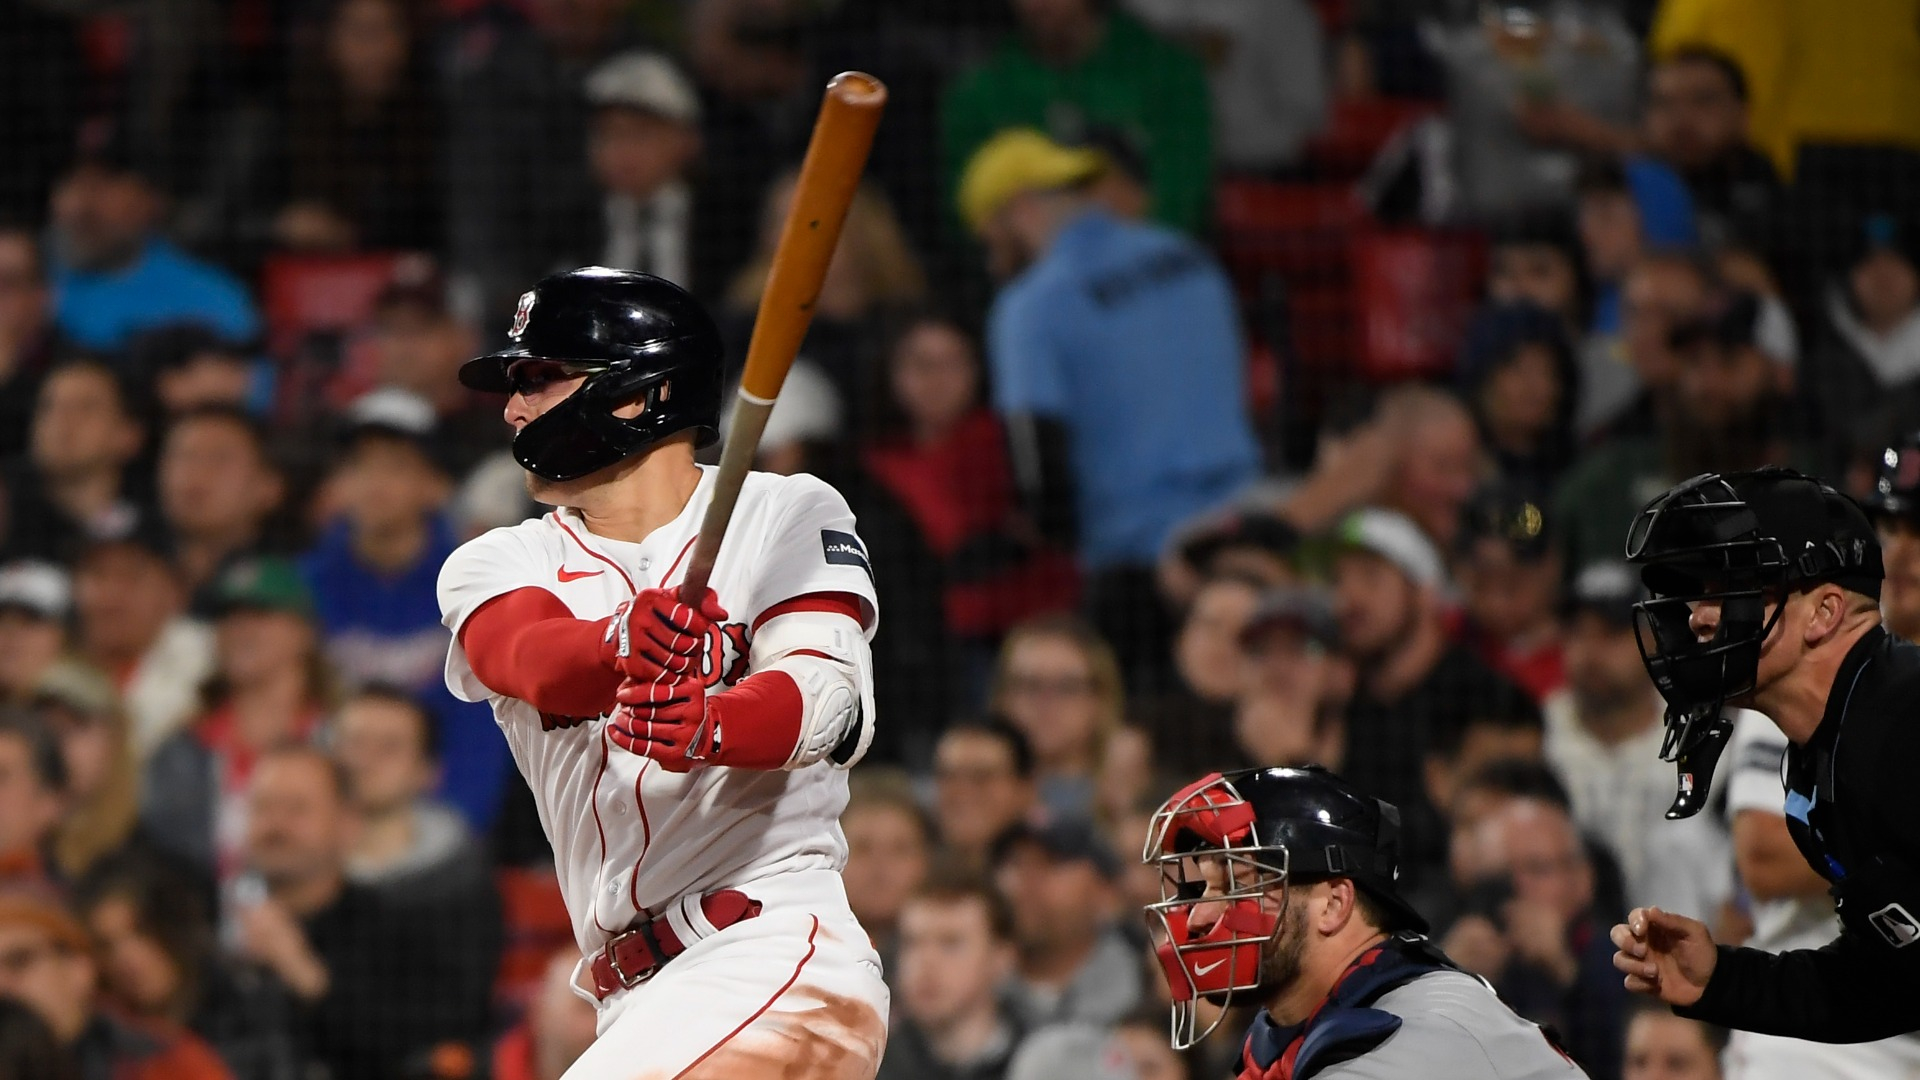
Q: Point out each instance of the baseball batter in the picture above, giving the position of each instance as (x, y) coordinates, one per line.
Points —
(688, 761)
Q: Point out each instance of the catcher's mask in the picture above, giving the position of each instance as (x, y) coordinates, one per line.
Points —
(1740, 541)
(1224, 845)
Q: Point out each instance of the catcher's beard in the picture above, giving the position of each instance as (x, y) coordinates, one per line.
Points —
(1280, 961)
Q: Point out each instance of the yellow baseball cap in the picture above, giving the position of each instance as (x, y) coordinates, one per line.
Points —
(1017, 160)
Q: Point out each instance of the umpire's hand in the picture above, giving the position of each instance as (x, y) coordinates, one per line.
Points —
(1668, 956)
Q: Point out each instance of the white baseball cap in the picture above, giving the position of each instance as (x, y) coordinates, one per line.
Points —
(1394, 537)
(807, 410)
(37, 587)
(646, 81)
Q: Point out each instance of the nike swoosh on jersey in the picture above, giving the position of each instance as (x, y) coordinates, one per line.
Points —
(1200, 971)
(565, 574)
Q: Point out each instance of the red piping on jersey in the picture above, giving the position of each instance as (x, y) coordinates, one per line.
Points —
(646, 841)
(583, 547)
(593, 800)
(676, 559)
(836, 603)
(757, 1013)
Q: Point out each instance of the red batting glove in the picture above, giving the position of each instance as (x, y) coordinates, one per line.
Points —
(656, 636)
(664, 719)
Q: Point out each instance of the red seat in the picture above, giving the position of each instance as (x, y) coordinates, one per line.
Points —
(534, 918)
(1357, 128)
(306, 294)
(1414, 291)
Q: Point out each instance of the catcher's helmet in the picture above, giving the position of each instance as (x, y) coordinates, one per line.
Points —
(1896, 484)
(1740, 540)
(1266, 829)
(635, 337)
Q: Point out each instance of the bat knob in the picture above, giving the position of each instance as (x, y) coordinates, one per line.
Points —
(859, 89)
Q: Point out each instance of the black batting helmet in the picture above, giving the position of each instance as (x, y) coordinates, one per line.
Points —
(1270, 828)
(1740, 540)
(1896, 482)
(636, 338)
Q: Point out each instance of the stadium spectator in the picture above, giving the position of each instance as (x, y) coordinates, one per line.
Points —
(1191, 725)
(515, 139)
(1623, 212)
(131, 622)
(982, 786)
(1791, 908)
(1868, 350)
(643, 143)
(556, 1030)
(1627, 388)
(1535, 259)
(268, 690)
(1143, 1037)
(1076, 67)
(1510, 580)
(943, 454)
(372, 576)
(406, 845)
(1526, 94)
(102, 799)
(1072, 1052)
(1253, 541)
(753, 61)
(1603, 739)
(116, 275)
(28, 340)
(1266, 65)
(50, 969)
(1518, 373)
(363, 133)
(1074, 965)
(218, 488)
(889, 850)
(188, 367)
(1662, 1046)
(956, 951)
(378, 993)
(33, 783)
(1727, 414)
(35, 600)
(1697, 122)
(1296, 683)
(873, 273)
(1411, 681)
(28, 1050)
(1059, 684)
(418, 347)
(1079, 341)
(77, 479)
(1418, 454)
(161, 967)
(1532, 930)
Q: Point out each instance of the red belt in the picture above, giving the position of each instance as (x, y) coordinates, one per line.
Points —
(628, 959)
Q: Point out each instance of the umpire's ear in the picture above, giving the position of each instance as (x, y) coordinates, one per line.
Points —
(1827, 607)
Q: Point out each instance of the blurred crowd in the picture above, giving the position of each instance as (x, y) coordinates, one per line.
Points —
(1217, 383)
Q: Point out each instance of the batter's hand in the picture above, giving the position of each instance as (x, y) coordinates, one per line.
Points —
(663, 719)
(656, 636)
(1668, 956)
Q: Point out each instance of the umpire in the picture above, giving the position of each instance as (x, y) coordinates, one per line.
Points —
(1765, 594)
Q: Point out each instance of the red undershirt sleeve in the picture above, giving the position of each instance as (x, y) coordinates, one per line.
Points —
(526, 644)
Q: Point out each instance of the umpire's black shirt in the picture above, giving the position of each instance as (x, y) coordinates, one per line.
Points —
(1853, 807)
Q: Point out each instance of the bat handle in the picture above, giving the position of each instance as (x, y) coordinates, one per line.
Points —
(736, 459)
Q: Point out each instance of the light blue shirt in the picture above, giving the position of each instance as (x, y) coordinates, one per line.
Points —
(1127, 334)
(105, 310)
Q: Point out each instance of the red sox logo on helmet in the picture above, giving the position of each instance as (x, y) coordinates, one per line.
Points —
(520, 315)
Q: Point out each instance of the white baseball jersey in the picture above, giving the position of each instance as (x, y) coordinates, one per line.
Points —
(629, 836)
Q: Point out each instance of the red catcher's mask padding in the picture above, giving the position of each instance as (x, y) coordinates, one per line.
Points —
(1226, 957)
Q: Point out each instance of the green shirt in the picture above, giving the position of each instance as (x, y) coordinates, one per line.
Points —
(1150, 90)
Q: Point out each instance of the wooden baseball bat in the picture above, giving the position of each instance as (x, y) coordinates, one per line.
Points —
(836, 155)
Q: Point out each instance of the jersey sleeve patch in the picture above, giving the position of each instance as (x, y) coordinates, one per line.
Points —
(845, 549)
